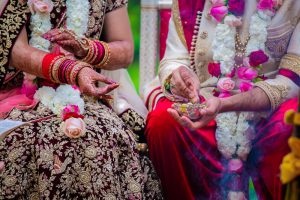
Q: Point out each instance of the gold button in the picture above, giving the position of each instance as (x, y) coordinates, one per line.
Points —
(208, 16)
(200, 65)
(203, 35)
(201, 52)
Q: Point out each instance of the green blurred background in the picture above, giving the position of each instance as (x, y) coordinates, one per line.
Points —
(134, 15)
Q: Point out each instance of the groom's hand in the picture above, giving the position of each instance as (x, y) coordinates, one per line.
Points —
(213, 106)
(185, 83)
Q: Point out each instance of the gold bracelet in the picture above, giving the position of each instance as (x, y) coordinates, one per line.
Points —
(54, 69)
(106, 57)
(75, 71)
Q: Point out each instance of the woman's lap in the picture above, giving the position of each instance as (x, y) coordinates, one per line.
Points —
(40, 160)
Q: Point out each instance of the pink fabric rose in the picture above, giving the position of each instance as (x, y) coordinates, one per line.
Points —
(226, 84)
(246, 73)
(214, 69)
(236, 7)
(219, 12)
(265, 5)
(232, 20)
(257, 58)
(246, 86)
(217, 2)
(40, 6)
(74, 127)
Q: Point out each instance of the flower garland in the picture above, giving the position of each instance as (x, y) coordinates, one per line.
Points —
(65, 101)
(234, 133)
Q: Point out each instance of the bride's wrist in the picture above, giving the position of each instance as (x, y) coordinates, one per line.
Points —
(97, 54)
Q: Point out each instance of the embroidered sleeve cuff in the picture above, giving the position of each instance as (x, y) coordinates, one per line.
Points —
(276, 93)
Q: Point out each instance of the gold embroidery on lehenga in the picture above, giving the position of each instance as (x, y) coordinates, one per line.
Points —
(91, 152)
(91, 167)
(10, 181)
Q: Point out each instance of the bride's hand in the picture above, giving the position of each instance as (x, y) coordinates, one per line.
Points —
(68, 40)
(87, 80)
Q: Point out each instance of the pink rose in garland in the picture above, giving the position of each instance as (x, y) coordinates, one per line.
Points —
(236, 7)
(246, 86)
(219, 12)
(246, 73)
(265, 5)
(214, 69)
(226, 84)
(257, 58)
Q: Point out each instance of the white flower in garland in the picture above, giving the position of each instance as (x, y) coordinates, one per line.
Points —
(77, 20)
(223, 47)
(258, 33)
(39, 24)
(57, 100)
(78, 16)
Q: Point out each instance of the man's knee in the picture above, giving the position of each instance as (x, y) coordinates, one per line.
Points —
(160, 124)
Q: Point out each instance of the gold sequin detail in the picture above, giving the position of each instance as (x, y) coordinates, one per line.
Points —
(46, 155)
(203, 35)
(13, 155)
(85, 177)
(91, 152)
(10, 181)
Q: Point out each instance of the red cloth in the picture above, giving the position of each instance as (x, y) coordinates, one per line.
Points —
(190, 165)
(188, 14)
(165, 16)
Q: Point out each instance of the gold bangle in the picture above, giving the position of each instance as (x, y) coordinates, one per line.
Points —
(54, 69)
(106, 57)
(75, 71)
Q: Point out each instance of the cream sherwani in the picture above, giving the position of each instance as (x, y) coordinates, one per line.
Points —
(283, 37)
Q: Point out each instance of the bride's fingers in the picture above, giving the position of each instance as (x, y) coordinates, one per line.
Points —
(106, 89)
(104, 79)
(61, 37)
(51, 33)
(69, 45)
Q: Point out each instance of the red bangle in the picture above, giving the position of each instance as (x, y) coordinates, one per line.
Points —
(46, 64)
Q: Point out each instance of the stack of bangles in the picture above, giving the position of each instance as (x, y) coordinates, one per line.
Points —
(98, 53)
(60, 69)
